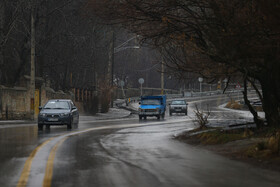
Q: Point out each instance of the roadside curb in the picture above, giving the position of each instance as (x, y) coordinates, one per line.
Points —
(15, 122)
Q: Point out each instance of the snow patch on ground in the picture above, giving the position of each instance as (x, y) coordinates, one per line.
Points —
(135, 106)
(242, 113)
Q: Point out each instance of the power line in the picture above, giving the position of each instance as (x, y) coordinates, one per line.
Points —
(148, 68)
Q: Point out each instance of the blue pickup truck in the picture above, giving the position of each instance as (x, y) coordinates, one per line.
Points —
(152, 106)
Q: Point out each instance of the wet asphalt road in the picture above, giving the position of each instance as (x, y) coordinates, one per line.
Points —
(124, 152)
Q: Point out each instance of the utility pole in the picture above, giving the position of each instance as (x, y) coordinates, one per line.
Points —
(110, 74)
(32, 61)
(200, 79)
(2, 13)
(162, 77)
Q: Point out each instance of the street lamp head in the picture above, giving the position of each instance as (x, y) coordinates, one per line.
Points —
(200, 79)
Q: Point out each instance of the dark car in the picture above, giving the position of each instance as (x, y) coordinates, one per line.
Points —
(178, 106)
(58, 112)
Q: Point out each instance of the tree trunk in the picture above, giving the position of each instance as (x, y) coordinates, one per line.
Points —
(270, 82)
(271, 104)
(257, 120)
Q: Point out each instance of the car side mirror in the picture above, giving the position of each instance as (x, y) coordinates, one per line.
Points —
(40, 108)
(74, 108)
(139, 103)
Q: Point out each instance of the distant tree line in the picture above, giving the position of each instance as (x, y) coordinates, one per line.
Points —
(71, 45)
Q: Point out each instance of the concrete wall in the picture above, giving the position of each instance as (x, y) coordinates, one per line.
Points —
(15, 102)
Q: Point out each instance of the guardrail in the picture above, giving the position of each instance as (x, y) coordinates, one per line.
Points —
(190, 94)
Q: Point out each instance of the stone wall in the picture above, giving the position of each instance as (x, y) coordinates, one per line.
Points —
(15, 102)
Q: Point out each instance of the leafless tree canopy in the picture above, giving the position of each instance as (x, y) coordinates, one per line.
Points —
(210, 37)
(71, 45)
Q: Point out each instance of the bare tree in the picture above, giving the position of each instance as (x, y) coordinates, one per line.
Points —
(215, 38)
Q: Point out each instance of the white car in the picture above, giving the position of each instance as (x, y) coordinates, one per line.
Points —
(178, 106)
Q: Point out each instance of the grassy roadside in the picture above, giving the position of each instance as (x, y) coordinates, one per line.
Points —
(260, 147)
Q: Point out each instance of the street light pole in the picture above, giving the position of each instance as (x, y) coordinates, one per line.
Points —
(113, 50)
(111, 64)
(200, 79)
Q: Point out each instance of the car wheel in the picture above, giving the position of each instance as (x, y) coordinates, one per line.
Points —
(140, 117)
(145, 117)
(162, 116)
(158, 117)
(77, 124)
(69, 126)
(186, 113)
(40, 127)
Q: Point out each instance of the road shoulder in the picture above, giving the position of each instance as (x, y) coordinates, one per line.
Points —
(250, 146)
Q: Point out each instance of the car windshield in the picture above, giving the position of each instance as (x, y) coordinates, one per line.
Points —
(178, 103)
(57, 105)
(150, 102)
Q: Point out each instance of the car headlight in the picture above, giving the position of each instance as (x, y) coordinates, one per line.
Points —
(43, 114)
(64, 114)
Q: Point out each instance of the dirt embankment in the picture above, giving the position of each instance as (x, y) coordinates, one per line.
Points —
(257, 147)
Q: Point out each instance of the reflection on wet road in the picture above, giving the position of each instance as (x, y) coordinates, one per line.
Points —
(124, 152)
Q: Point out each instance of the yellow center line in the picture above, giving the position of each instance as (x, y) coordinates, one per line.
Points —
(27, 166)
(49, 168)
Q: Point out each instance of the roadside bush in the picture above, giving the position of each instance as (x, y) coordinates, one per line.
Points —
(274, 143)
(201, 118)
(261, 146)
(270, 146)
(247, 133)
(91, 107)
(106, 91)
(234, 105)
(105, 99)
